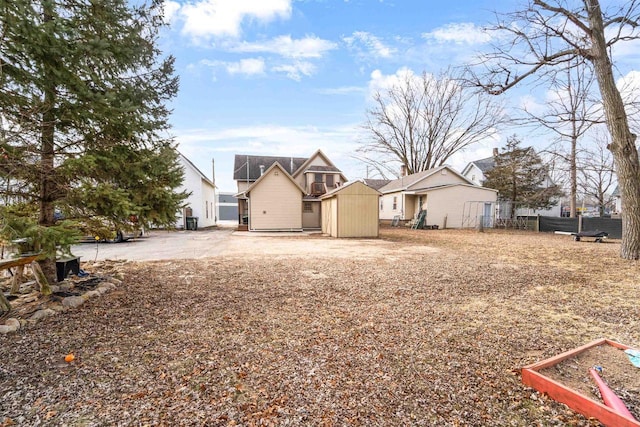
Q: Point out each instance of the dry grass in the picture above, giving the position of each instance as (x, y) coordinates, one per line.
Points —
(412, 337)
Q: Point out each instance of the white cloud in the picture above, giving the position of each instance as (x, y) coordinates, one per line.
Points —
(344, 90)
(250, 66)
(373, 46)
(296, 70)
(462, 33)
(308, 47)
(224, 18)
(171, 9)
(247, 67)
(380, 82)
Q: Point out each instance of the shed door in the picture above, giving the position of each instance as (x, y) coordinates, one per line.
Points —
(487, 217)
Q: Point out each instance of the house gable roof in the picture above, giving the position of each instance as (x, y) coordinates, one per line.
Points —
(195, 169)
(247, 168)
(413, 180)
(307, 166)
(484, 165)
(260, 179)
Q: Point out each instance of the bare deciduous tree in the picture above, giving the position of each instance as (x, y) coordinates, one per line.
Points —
(597, 177)
(542, 40)
(569, 115)
(422, 121)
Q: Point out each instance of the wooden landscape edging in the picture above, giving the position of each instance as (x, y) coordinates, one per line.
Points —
(573, 399)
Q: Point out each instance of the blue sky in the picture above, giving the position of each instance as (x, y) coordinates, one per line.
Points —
(289, 77)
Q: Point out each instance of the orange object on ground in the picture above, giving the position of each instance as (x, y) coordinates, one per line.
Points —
(609, 397)
(69, 358)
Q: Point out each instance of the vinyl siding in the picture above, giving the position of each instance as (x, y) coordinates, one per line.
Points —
(448, 202)
(353, 212)
(275, 203)
(387, 211)
(202, 199)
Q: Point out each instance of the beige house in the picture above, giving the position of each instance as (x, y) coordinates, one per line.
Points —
(449, 199)
(283, 193)
(351, 211)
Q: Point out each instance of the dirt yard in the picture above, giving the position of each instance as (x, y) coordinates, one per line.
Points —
(419, 327)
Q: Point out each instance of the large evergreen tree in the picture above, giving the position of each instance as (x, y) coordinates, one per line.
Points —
(83, 116)
(521, 178)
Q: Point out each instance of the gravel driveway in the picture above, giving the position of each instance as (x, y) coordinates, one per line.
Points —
(159, 245)
(224, 241)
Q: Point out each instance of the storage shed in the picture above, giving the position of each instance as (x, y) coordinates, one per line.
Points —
(351, 211)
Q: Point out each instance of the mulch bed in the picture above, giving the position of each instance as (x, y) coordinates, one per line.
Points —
(420, 338)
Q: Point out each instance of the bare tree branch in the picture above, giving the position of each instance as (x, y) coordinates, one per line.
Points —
(421, 121)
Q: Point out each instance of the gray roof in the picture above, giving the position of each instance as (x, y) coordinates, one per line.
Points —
(376, 183)
(485, 165)
(405, 181)
(241, 173)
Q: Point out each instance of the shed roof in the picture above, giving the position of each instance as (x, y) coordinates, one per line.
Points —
(347, 185)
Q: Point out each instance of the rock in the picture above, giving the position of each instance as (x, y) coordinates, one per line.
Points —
(42, 314)
(114, 280)
(13, 322)
(91, 294)
(107, 286)
(11, 325)
(73, 302)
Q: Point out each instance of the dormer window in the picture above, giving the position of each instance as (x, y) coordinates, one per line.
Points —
(329, 180)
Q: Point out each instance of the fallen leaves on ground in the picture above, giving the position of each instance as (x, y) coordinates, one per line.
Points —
(418, 338)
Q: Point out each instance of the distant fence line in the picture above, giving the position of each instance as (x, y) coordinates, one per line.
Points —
(613, 226)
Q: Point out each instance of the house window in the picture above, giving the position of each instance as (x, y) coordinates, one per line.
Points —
(206, 208)
(307, 207)
(381, 204)
(395, 203)
(318, 177)
(329, 180)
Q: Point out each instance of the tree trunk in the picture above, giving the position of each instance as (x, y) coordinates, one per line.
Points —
(573, 172)
(41, 279)
(625, 154)
(47, 157)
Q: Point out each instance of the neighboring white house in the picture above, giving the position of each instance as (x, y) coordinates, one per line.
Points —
(476, 170)
(449, 199)
(201, 204)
